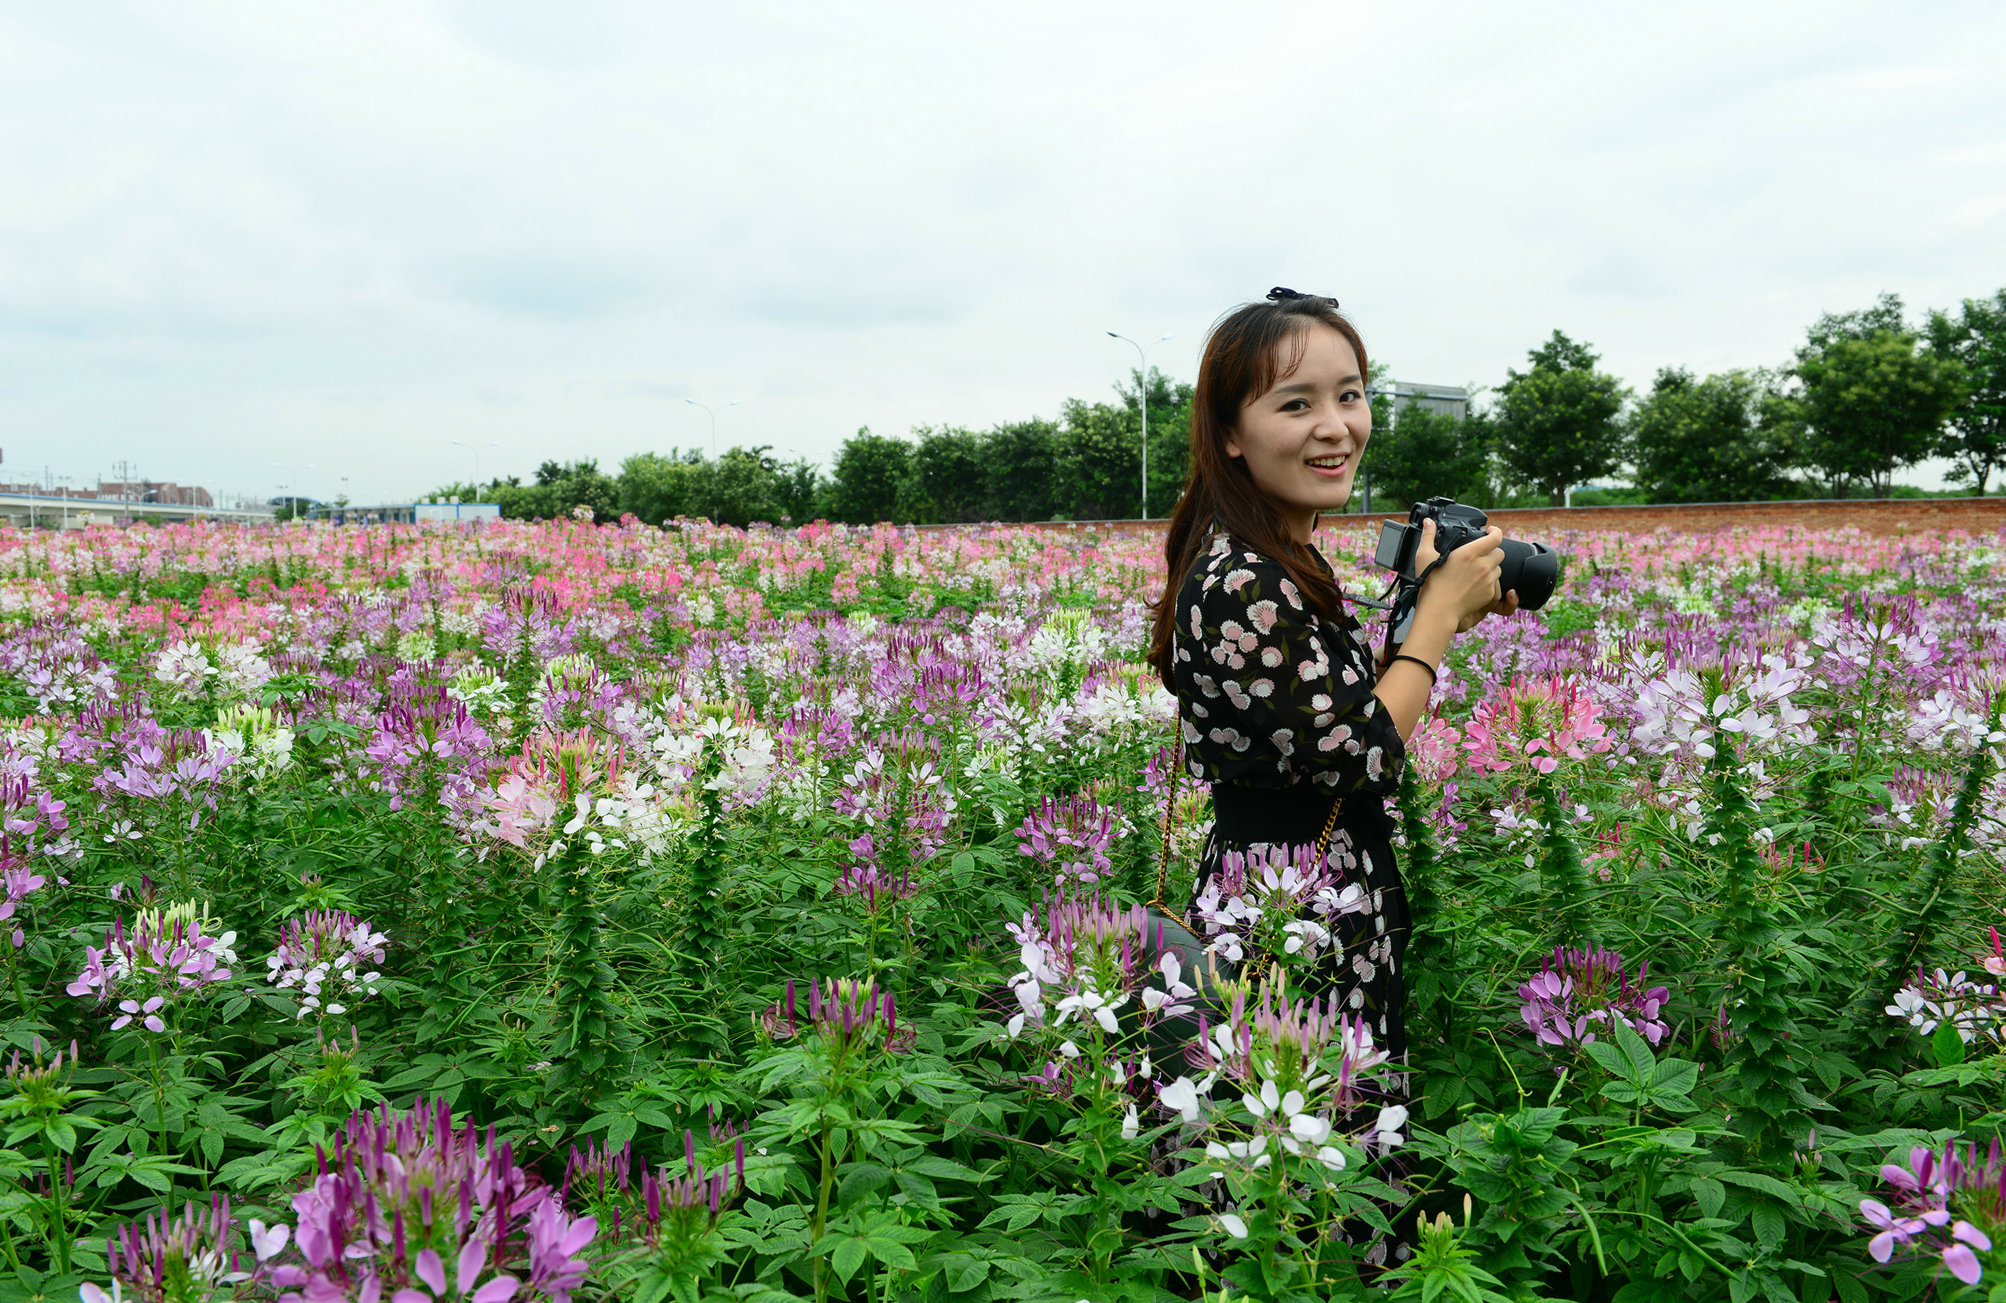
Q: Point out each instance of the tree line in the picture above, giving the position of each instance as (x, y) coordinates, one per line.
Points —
(1866, 395)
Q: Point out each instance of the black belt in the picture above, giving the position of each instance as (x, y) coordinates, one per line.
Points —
(1294, 816)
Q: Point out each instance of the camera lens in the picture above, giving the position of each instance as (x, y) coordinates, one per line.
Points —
(1531, 570)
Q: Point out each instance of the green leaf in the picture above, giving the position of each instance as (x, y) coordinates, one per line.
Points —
(1642, 1062)
(1757, 1181)
(935, 1165)
(964, 1272)
(1709, 1194)
(1768, 1225)
(1675, 1077)
(1946, 1045)
(849, 1255)
(1607, 1057)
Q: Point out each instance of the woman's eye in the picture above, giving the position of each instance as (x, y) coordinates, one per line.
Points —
(1351, 396)
(1295, 405)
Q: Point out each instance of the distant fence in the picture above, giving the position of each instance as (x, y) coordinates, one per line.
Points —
(1871, 515)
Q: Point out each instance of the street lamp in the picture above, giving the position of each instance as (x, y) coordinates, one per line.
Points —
(295, 498)
(713, 420)
(1142, 401)
(492, 443)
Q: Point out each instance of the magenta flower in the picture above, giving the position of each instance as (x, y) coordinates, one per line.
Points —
(1069, 837)
(875, 886)
(1579, 993)
(1435, 752)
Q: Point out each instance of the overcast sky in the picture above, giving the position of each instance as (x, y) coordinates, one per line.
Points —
(238, 234)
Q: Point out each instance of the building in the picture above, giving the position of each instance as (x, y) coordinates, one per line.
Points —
(164, 493)
(1448, 400)
(406, 513)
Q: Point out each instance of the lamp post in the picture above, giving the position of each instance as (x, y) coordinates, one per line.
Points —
(492, 443)
(1142, 401)
(713, 419)
(294, 499)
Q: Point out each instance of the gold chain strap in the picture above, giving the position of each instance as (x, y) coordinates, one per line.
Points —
(1170, 808)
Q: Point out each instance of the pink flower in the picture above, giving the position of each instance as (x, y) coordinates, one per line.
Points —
(1535, 724)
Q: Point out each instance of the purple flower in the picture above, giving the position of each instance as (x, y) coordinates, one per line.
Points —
(402, 1195)
(1949, 1207)
(148, 1014)
(1069, 837)
(1580, 993)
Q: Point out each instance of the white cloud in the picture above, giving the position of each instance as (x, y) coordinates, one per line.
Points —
(349, 234)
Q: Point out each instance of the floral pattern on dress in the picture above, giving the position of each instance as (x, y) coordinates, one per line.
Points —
(1270, 694)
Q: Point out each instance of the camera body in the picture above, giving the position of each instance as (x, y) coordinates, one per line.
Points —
(1530, 569)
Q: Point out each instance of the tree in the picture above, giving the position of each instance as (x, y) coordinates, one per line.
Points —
(871, 471)
(1169, 436)
(744, 486)
(560, 489)
(1017, 461)
(1425, 453)
(1097, 462)
(1975, 339)
(1869, 399)
(799, 486)
(1707, 440)
(1556, 424)
(658, 487)
(945, 485)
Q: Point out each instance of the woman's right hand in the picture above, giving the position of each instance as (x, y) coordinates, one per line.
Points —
(1465, 588)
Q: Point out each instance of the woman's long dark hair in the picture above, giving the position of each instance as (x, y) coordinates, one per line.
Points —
(1247, 352)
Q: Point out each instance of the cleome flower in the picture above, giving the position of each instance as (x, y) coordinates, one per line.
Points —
(1278, 900)
(1948, 1205)
(1069, 837)
(1533, 725)
(166, 957)
(1975, 1009)
(326, 956)
(1093, 958)
(408, 1206)
(1579, 993)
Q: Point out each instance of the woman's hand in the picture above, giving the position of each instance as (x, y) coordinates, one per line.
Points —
(1506, 607)
(1465, 588)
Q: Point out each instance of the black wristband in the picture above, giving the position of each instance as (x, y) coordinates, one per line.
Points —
(1433, 673)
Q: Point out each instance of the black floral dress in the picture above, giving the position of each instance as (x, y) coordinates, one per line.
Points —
(1278, 714)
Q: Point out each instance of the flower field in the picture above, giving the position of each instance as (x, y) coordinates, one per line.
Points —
(574, 910)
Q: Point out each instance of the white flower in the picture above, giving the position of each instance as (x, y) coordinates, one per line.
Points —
(267, 1242)
(1331, 1158)
(1130, 1124)
(1233, 1225)
(1309, 1128)
(1267, 1102)
(1181, 1096)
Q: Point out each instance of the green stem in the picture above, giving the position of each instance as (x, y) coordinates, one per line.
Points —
(60, 1245)
(821, 1222)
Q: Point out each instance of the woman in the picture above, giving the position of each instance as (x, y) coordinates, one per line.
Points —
(1283, 709)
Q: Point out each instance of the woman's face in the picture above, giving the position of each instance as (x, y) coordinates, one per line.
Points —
(1302, 439)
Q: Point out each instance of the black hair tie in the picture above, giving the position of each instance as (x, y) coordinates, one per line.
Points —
(1283, 294)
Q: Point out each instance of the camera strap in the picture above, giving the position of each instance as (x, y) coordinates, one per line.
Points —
(1400, 616)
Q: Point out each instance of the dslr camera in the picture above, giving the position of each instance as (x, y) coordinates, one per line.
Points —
(1530, 569)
